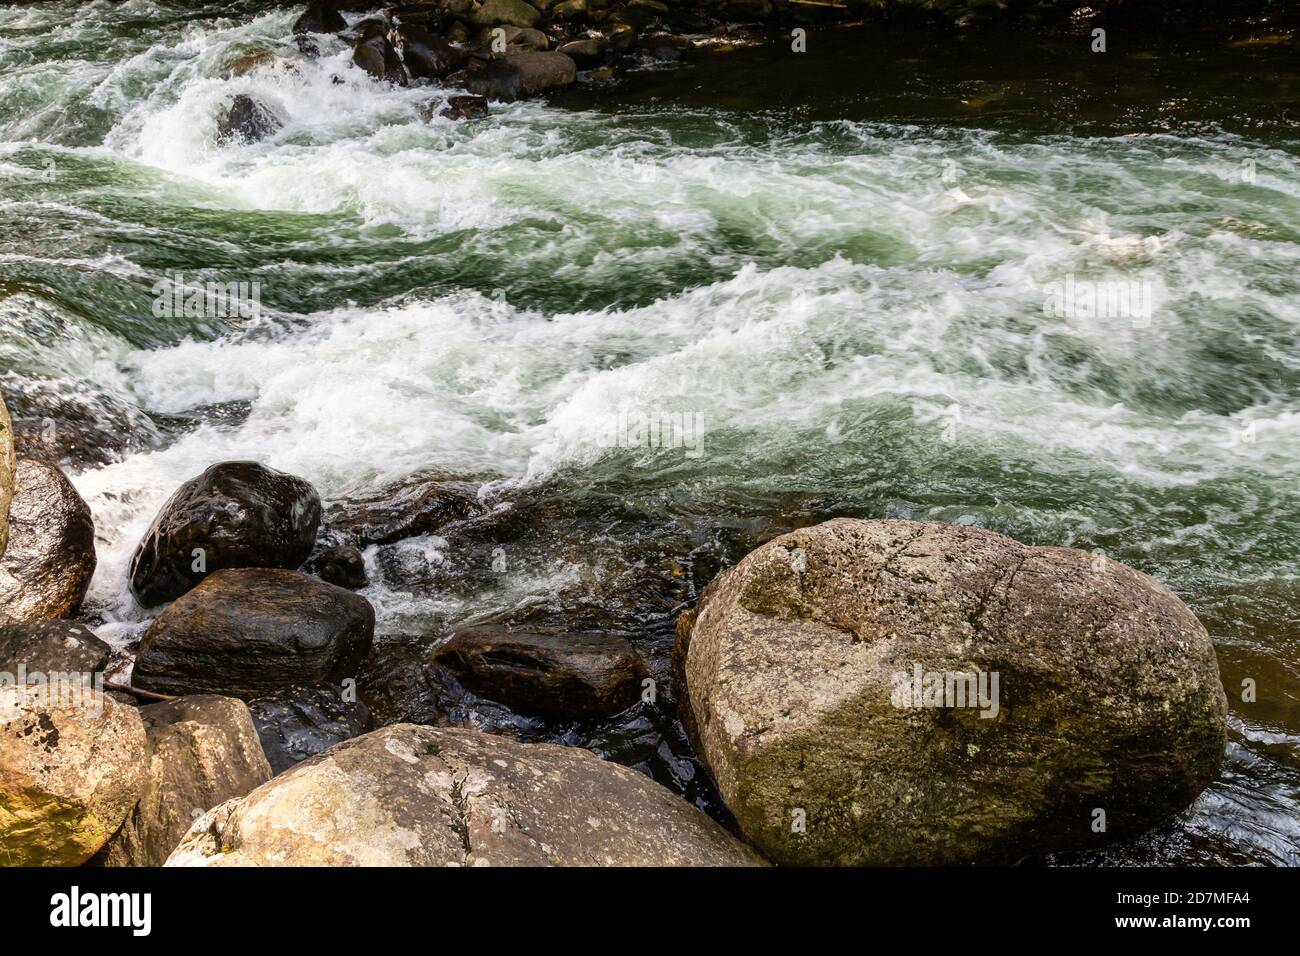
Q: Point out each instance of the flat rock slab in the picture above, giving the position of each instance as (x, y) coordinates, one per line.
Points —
(51, 647)
(250, 632)
(422, 796)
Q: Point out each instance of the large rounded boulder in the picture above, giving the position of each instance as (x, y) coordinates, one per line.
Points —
(892, 692)
(237, 514)
(50, 558)
(408, 795)
(72, 764)
(249, 632)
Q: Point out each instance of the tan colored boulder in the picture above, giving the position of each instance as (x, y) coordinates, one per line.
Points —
(410, 795)
(892, 692)
(50, 560)
(8, 465)
(203, 750)
(69, 774)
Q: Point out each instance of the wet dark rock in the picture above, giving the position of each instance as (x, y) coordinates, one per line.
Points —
(580, 674)
(251, 632)
(571, 10)
(425, 55)
(8, 467)
(663, 47)
(202, 751)
(465, 107)
(50, 556)
(341, 564)
(413, 507)
(304, 721)
(514, 13)
(378, 58)
(587, 53)
(321, 16)
(246, 120)
(747, 11)
(74, 425)
(519, 75)
(51, 647)
(238, 514)
(642, 12)
(514, 39)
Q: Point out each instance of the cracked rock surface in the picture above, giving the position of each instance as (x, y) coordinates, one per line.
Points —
(1109, 696)
(410, 795)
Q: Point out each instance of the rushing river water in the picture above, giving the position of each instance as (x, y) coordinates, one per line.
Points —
(836, 262)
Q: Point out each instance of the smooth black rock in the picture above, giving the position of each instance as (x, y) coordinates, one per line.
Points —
(425, 55)
(246, 121)
(239, 514)
(321, 16)
(51, 646)
(573, 674)
(251, 632)
(304, 721)
(50, 558)
(341, 564)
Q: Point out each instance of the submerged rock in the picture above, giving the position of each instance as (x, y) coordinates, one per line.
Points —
(69, 774)
(414, 507)
(519, 75)
(810, 671)
(47, 647)
(303, 721)
(575, 674)
(465, 107)
(340, 564)
(236, 514)
(202, 751)
(246, 120)
(8, 465)
(50, 558)
(425, 796)
(250, 632)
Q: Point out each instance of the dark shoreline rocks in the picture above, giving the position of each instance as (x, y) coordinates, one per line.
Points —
(805, 676)
(50, 557)
(250, 632)
(8, 466)
(237, 514)
(424, 796)
(48, 647)
(300, 722)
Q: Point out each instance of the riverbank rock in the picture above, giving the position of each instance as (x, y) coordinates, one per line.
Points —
(405, 510)
(586, 53)
(378, 57)
(8, 464)
(250, 632)
(246, 121)
(341, 564)
(202, 751)
(50, 557)
(422, 796)
(237, 514)
(69, 774)
(514, 13)
(47, 647)
(301, 722)
(824, 682)
(517, 75)
(575, 674)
